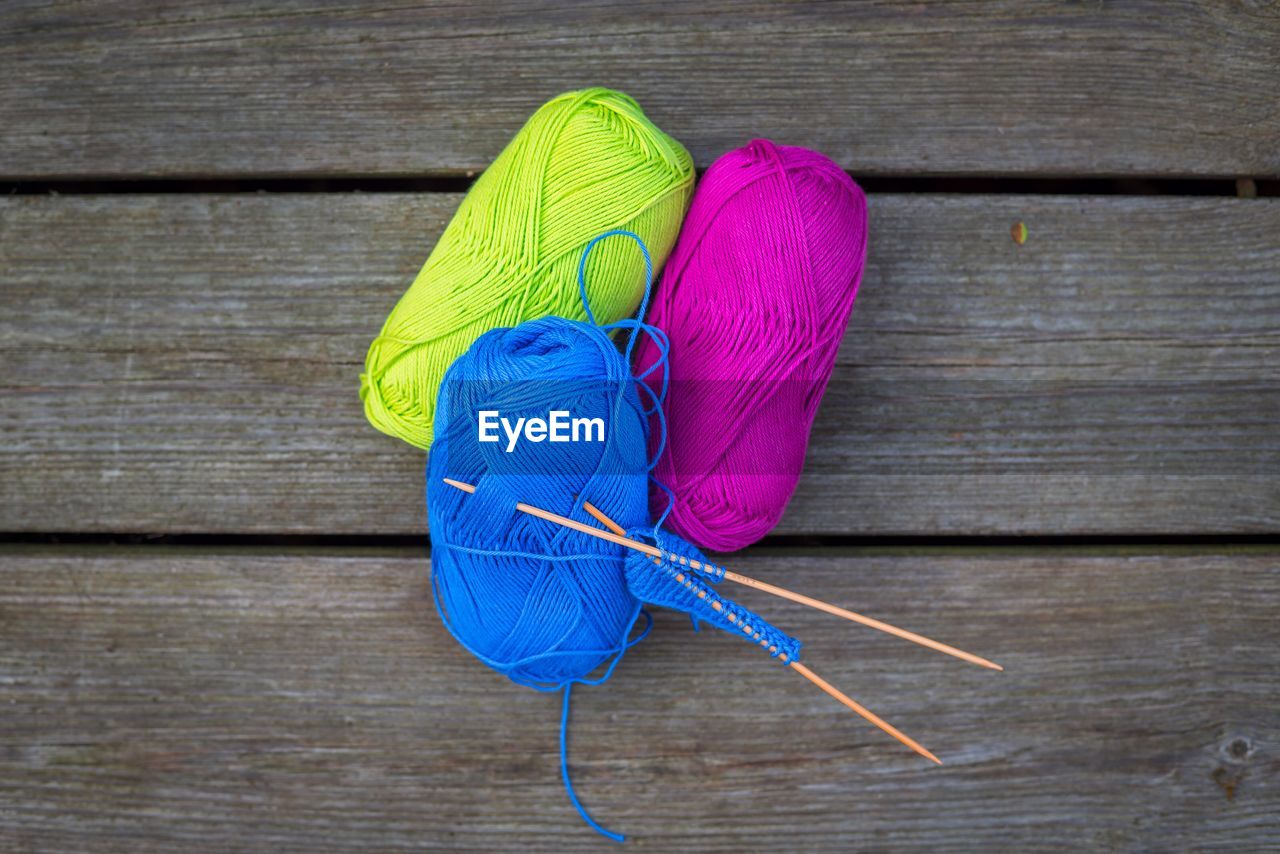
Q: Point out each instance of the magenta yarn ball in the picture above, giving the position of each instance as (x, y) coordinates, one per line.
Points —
(755, 298)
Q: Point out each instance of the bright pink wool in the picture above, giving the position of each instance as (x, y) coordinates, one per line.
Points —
(755, 298)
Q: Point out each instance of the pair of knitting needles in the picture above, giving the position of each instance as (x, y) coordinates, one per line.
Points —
(617, 535)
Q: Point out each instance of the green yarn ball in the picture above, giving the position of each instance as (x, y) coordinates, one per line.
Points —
(585, 163)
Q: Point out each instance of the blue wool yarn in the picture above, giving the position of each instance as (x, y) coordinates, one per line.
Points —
(545, 605)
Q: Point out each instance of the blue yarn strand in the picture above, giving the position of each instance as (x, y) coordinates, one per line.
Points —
(648, 276)
(660, 339)
(564, 774)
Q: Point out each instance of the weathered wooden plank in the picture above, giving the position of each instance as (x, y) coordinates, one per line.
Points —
(190, 364)
(235, 701)
(315, 87)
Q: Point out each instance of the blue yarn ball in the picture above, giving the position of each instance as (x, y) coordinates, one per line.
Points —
(540, 603)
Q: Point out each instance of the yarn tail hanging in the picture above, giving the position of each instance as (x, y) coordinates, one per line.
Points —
(568, 783)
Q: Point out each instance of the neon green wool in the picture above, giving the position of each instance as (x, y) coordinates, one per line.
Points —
(585, 163)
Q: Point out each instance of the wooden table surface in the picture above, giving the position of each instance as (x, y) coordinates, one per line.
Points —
(215, 627)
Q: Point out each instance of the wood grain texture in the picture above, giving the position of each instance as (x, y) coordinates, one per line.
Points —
(190, 363)
(239, 701)
(320, 87)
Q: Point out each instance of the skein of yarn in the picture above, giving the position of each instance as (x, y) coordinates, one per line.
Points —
(530, 600)
(586, 162)
(542, 604)
(755, 298)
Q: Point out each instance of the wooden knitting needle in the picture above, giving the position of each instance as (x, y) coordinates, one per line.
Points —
(820, 605)
(654, 552)
(617, 534)
(833, 691)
